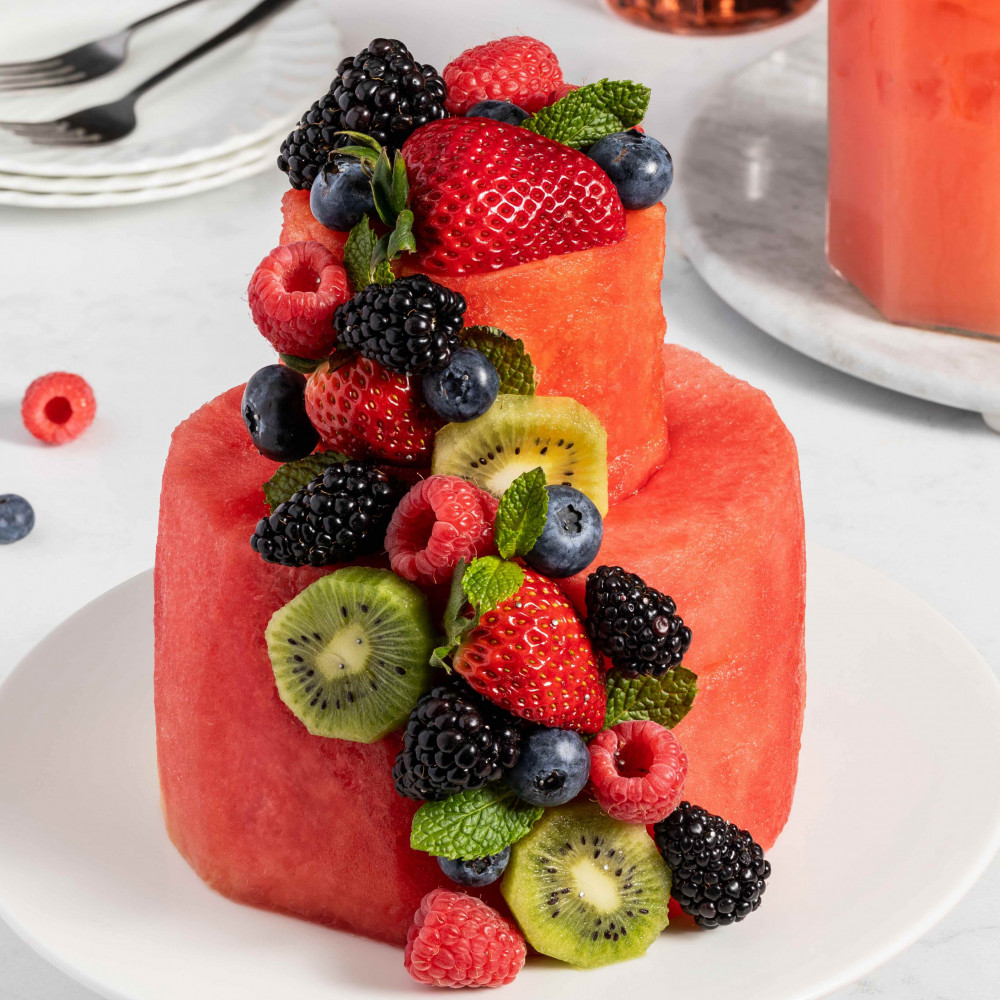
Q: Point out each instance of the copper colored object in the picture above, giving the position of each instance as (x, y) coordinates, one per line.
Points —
(705, 17)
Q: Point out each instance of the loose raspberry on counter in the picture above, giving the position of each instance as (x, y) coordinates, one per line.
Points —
(457, 940)
(293, 295)
(518, 68)
(58, 407)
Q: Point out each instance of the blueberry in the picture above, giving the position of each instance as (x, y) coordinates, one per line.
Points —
(639, 166)
(499, 111)
(476, 871)
(572, 535)
(17, 518)
(465, 388)
(274, 410)
(341, 195)
(553, 767)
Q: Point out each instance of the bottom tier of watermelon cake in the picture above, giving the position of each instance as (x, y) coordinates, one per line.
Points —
(272, 816)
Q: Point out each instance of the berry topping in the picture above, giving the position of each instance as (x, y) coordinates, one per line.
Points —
(637, 770)
(339, 515)
(364, 410)
(441, 521)
(531, 655)
(58, 407)
(457, 940)
(453, 742)
(274, 411)
(410, 326)
(488, 195)
(499, 111)
(293, 294)
(719, 871)
(639, 167)
(553, 768)
(517, 68)
(572, 535)
(341, 195)
(17, 518)
(635, 625)
(465, 389)
(476, 872)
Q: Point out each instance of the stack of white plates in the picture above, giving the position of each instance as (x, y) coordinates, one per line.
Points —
(218, 120)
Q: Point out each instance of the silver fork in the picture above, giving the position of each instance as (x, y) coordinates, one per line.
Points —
(108, 122)
(86, 62)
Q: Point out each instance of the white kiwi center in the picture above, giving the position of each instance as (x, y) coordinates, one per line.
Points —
(596, 885)
(345, 653)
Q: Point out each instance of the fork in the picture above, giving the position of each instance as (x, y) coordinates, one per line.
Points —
(86, 62)
(108, 122)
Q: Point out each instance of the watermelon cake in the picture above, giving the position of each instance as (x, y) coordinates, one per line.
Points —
(479, 614)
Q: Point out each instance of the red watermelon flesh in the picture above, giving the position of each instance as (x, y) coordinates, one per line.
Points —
(298, 224)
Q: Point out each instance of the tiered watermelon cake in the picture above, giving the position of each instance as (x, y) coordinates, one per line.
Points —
(479, 617)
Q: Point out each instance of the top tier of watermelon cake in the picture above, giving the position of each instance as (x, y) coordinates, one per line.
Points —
(479, 615)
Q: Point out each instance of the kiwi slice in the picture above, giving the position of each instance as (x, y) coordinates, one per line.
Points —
(351, 653)
(521, 433)
(587, 889)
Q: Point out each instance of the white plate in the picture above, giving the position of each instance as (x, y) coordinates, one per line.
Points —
(236, 96)
(902, 736)
(752, 217)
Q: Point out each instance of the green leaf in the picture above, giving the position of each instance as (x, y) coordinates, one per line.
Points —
(490, 580)
(380, 254)
(472, 824)
(665, 700)
(521, 514)
(401, 238)
(513, 365)
(383, 274)
(456, 624)
(364, 139)
(582, 117)
(359, 153)
(400, 184)
(358, 252)
(382, 190)
(304, 366)
(292, 476)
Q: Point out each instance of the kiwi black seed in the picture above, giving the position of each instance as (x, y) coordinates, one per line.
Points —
(586, 888)
(521, 433)
(351, 653)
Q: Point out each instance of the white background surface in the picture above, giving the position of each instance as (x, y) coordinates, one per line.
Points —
(149, 304)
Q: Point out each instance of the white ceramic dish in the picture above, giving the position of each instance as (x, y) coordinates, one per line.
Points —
(902, 734)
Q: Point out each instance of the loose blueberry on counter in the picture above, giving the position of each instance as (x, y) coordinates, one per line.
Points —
(341, 195)
(17, 518)
(476, 872)
(572, 535)
(553, 768)
(274, 411)
(463, 390)
(499, 111)
(639, 166)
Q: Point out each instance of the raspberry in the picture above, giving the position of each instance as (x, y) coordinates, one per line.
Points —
(58, 407)
(519, 68)
(457, 940)
(637, 770)
(441, 520)
(560, 92)
(293, 295)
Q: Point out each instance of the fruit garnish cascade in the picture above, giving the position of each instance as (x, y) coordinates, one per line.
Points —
(449, 501)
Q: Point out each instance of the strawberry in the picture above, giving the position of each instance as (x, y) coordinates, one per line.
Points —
(531, 656)
(365, 411)
(488, 195)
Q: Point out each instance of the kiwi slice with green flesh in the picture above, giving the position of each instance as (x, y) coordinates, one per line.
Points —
(521, 433)
(351, 653)
(586, 888)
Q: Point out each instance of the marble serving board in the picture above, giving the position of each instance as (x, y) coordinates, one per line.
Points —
(752, 219)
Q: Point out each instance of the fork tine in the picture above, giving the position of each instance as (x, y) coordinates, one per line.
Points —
(41, 83)
(32, 66)
(61, 69)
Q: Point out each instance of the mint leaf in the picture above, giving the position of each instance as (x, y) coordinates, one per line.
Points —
(361, 153)
(513, 365)
(521, 514)
(358, 252)
(472, 824)
(400, 191)
(665, 700)
(455, 623)
(488, 581)
(292, 476)
(382, 274)
(401, 238)
(304, 366)
(382, 189)
(582, 117)
(366, 140)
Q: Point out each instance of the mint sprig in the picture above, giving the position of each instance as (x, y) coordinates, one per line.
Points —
(456, 623)
(665, 700)
(291, 477)
(508, 356)
(359, 253)
(489, 581)
(521, 514)
(472, 824)
(586, 115)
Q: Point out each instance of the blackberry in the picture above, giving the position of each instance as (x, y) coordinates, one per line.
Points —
(454, 742)
(382, 91)
(340, 514)
(410, 326)
(634, 625)
(719, 871)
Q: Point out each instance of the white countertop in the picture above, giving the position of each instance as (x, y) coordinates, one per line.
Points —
(149, 304)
